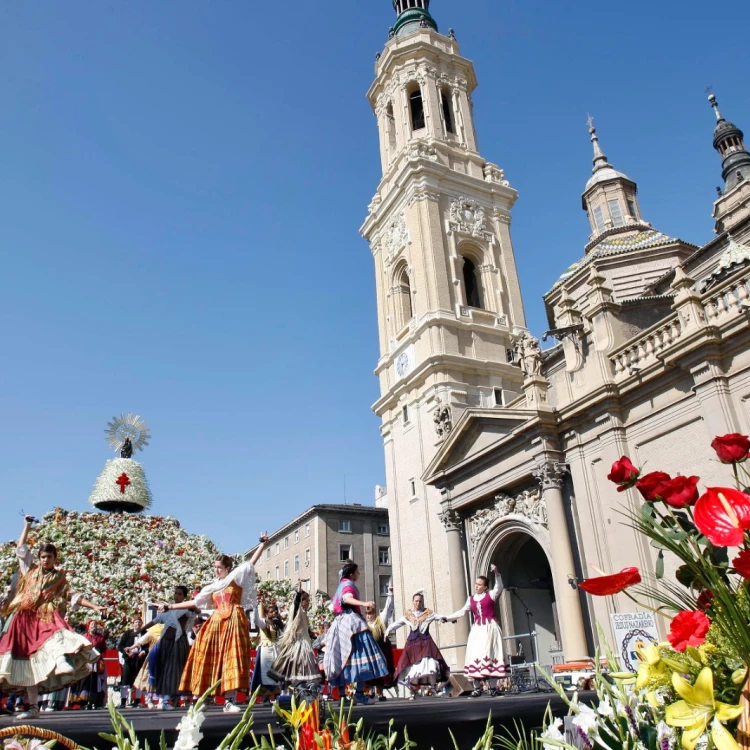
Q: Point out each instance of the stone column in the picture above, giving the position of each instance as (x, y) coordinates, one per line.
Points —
(573, 634)
(453, 527)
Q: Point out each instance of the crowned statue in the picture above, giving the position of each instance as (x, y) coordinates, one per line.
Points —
(122, 486)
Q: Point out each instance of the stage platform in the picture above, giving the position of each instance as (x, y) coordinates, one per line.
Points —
(427, 719)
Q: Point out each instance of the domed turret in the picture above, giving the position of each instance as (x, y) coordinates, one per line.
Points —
(728, 141)
(412, 15)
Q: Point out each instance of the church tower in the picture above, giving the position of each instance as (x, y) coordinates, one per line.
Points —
(448, 296)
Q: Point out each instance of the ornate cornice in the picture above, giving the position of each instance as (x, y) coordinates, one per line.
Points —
(451, 520)
(551, 475)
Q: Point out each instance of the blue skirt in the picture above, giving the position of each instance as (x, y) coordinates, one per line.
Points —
(365, 663)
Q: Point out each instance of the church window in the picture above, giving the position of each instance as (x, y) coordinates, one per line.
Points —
(390, 127)
(445, 100)
(631, 208)
(471, 285)
(615, 211)
(405, 414)
(404, 309)
(413, 487)
(499, 397)
(416, 107)
(599, 219)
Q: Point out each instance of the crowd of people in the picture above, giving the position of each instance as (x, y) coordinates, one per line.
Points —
(195, 643)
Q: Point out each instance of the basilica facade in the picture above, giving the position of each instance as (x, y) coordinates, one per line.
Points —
(497, 451)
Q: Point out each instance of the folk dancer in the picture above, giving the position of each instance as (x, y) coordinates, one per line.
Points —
(39, 651)
(169, 654)
(378, 623)
(129, 665)
(146, 679)
(296, 663)
(484, 648)
(351, 654)
(222, 649)
(89, 692)
(270, 626)
(421, 662)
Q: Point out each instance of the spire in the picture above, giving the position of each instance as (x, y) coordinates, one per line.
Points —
(600, 160)
(412, 16)
(728, 141)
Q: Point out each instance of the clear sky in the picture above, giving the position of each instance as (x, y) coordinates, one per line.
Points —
(181, 189)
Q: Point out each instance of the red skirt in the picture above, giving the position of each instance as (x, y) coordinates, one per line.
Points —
(28, 633)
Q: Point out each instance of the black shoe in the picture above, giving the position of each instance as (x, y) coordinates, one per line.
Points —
(475, 694)
(493, 693)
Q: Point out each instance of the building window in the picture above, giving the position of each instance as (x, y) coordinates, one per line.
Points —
(307, 529)
(286, 568)
(445, 100)
(416, 107)
(296, 563)
(277, 548)
(499, 397)
(296, 537)
(631, 209)
(384, 555)
(345, 526)
(268, 554)
(385, 582)
(404, 309)
(471, 285)
(278, 574)
(383, 528)
(405, 413)
(413, 487)
(390, 127)
(307, 557)
(268, 575)
(345, 552)
(286, 542)
(599, 219)
(615, 211)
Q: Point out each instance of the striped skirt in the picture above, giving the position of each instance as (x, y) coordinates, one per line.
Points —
(220, 652)
(352, 655)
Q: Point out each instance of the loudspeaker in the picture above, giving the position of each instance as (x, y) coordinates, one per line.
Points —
(461, 685)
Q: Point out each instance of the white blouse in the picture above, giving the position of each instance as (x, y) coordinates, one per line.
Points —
(243, 575)
(423, 626)
(495, 592)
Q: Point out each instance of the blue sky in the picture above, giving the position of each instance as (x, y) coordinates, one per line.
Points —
(181, 191)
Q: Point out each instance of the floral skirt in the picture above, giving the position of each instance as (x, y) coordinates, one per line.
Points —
(421, 662)
(484, 652)
(220, 652)
(30, 648)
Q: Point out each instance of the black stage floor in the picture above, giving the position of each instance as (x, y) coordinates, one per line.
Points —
(427, 719)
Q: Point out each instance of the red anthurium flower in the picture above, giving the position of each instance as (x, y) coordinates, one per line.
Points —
(705, 599)
(680, 491)
(623, 473)
(650, 485)
(742, 563)
(732, 448)
(688, 629)
(723, 514)
(614, 584)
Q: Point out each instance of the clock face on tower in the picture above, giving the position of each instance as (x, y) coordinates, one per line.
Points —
(403, 364)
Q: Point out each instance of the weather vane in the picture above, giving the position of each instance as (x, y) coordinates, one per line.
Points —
(127, 434)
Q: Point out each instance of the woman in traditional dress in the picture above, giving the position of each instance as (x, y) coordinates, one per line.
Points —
(421, 662)
(296, 662)
(222, 649)
(39, 651)
(378, 624)
(351, 654)
(270, 626)
(146, 679)
(484, 649)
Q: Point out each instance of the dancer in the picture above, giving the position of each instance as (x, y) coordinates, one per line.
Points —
(144, 682)
(89, 692)
(271, 626)
(296, 663)
(39, 651)
(222, 649)
(168, 656)
(351, 654)
(484, 649)
(378, 624)
(129, 664)
(421, 662)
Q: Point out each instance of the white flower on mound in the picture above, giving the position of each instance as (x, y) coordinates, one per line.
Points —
(605, 708)
(552, 732)
(189, 729)
(586, 719)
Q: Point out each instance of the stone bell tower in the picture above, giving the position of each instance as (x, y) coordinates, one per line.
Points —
(448, 295)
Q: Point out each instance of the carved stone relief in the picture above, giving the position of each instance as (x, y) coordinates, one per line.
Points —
(396, 235)
(528, 505)
(468, 217)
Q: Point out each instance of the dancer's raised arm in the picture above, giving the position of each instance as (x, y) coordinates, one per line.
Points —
(258, 552)
(27, 522)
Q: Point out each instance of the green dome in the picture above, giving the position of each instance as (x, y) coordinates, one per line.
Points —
(412, 15)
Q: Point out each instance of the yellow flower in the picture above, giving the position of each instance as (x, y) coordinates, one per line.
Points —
(650, 665)
(298, 716)
(697, 708)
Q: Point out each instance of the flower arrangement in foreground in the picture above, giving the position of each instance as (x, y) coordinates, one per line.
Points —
(693, 690)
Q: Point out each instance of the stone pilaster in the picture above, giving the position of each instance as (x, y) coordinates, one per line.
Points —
(454, 529)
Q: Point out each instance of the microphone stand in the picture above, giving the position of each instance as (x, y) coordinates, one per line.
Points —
(529, 615)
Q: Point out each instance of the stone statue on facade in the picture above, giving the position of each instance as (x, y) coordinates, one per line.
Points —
(529, 355)
(443, 421)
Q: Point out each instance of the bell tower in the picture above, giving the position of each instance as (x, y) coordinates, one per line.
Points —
(448, 297)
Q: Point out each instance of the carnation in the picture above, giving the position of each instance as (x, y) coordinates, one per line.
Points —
(688, 629)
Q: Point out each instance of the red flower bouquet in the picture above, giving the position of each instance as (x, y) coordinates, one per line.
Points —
(688, 629)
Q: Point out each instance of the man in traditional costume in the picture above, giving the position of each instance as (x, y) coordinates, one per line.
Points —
(421, 662)
(39, 651)
(484, 649)
(129, 664)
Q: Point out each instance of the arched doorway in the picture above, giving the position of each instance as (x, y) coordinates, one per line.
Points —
(528, 602)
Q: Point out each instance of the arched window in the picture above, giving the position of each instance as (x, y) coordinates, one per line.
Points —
(404, 309)
(390, 125)
(416, 107)
(471, 285)
(445, 101)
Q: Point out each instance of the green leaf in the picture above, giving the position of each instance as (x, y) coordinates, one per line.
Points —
(659, 571)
